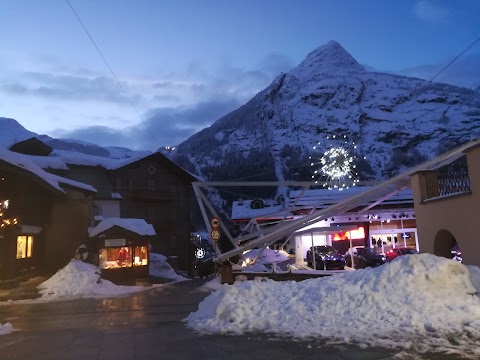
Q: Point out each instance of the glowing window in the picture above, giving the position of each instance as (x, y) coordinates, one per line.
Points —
(24, 246)
(140, 256)
(115, 257)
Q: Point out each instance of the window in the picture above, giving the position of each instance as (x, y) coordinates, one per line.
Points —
(119, 183)
(130, 184)
(151, 185)
(140, 256)
(173, 241)
(115, 257)
(24, 246)
(173, 188)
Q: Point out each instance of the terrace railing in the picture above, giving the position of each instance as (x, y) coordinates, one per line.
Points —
(448, 180)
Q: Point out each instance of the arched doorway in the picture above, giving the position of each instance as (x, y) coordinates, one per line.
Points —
(443, 244)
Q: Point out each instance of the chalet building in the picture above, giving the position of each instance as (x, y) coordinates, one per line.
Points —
(149, 187)
(447, 204)
(156, 189)
(43, 218)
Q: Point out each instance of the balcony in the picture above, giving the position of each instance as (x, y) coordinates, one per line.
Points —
(449, 180)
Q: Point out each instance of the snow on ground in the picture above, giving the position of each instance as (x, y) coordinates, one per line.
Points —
(6, 329)
(79, 279)
(415, 303)
(212, 285)
(159, 267)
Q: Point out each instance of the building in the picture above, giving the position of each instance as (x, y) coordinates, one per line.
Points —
(147, 186)
(43, 218)
(383, 225)
(447, 206)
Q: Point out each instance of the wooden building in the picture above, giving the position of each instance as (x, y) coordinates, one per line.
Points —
(43, 218)
(121, 248)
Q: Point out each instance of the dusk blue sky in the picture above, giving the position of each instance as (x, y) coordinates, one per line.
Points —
(184, 64)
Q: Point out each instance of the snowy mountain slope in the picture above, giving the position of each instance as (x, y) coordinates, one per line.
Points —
(12, 132)
(396, 122)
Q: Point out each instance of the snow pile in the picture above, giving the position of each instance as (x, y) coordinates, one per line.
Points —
(212, 285)
(267, 256)
(79, 279)
(159, 267)
(416, 302)
(6, 329)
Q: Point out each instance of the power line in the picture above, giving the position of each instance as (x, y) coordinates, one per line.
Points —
(111, 71)
(456, 58)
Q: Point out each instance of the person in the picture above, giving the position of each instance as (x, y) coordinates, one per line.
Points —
(122, 256)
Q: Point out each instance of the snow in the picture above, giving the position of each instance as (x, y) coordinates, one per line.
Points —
(6, 328)
(212, 285)
(268, 256)
(416, 302)
(79, 280)
(138, 226)
(26, 163)
(159, 267)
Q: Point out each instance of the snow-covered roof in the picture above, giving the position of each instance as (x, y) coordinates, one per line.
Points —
(138, 226)
(242, 210)
(25, 163)
(319, 198)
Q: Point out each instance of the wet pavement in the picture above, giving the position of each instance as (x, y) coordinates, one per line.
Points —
(148, 326)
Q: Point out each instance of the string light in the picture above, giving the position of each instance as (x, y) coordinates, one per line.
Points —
(336, 163)
(5, 222)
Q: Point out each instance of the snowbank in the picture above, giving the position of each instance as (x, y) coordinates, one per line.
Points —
(6, 329)
(79, 279)
(268, 256)
(212, 285)
(416, 302)
(160, 267)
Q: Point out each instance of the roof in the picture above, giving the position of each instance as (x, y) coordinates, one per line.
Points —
(24, 164)
(137, 226)
(319, 198)
(31, 146)
(159, 157)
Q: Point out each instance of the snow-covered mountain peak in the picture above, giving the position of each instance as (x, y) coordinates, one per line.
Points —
(329, 58)
(12, 132)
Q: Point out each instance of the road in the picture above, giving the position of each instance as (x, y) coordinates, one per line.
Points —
(147, 326)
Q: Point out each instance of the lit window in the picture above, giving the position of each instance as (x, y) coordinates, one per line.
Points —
(115, 257)
(24, 246)
(140, 256)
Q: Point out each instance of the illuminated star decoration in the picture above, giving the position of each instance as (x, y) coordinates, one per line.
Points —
(337, 163)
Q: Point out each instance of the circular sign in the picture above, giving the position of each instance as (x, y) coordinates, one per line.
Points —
(200, 253)
(215, 222)
(215, 235)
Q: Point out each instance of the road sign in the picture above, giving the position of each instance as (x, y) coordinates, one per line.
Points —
(215, 235)
(215, 222)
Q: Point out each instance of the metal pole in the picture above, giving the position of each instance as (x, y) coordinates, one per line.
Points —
(313, 253)
(351, 250)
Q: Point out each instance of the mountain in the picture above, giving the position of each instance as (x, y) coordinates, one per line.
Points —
(395, 122)
(12, 132)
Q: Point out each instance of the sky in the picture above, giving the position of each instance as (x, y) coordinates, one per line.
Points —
(183, 64)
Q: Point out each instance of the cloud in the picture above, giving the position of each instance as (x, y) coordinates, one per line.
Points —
(428, 11)
(68, 87)
(162, 127)
(464, 72)
(172, 106)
